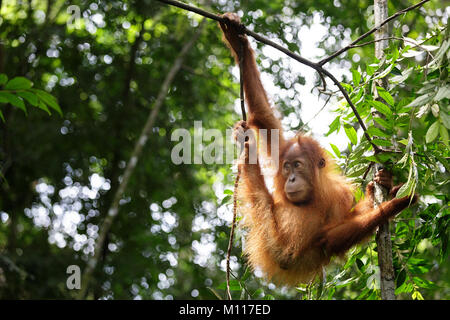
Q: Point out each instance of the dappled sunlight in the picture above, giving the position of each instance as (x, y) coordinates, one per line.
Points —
(99, 200)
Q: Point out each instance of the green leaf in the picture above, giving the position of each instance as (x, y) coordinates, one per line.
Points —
(417, 295)
(18, 83)
(228, 191)
(259, 293)
(412, 53)
(42, 105)
(429, 47)
(401, 78)
(357, 170)
(3, 98)
(396, 71)
(440, 54)
(423, 283)
(432, 132)
(376, 132)
(14, 100)
(335, 150)
(3, 79)
(30, 97)
(385, 72)
(347, 87)
(372, 158)
(351, 134)
(341, 284)
(385, 95)
(359, 264)
(247, 274)
(404, 159)
(381, 157)
(334, 126)
(408, 188)
(381, 107)
(405, 190)
(356, 77)
(234, 285)
(401, 278)
(359, 150)
(383, 122)
(1, 116)
(443, 92)
(443, 161)
(49, 100)
(380, 142)
(225, 199)
(370, 68)
(358, 97)
(445, 119)
(444, 134)
(421, 100)
(350, 261)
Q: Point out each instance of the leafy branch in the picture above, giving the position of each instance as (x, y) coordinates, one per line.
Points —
(368, 33)
(19, 89)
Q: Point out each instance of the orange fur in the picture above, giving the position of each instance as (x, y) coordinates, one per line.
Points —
(306, 236)
(291, 242)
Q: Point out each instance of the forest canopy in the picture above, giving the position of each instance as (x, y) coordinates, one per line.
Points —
(95, 97)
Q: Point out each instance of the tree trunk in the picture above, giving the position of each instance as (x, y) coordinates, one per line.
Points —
(383, 238)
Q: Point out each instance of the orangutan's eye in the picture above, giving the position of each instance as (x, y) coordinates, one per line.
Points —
(322, 163)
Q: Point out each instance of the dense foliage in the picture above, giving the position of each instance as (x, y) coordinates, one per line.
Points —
(77, 84)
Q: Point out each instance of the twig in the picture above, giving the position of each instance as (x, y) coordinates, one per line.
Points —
(367, 170)
(317, 113)
(236, 181)
(323, 82)
(233, 224)
(241, 82)
(242, 283)
(365, 35)
(419, 45)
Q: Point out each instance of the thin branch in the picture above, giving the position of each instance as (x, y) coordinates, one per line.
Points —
(368, 33)
(324, 88)
(289, 53)
(316, 66)
(418, 45)
(244, 30)
(236, 182)
(241, 82)
(367, 170)
(114, 208)
(233, 225)
(317, 113)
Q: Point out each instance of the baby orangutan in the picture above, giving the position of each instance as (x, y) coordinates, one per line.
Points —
(310, 216)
